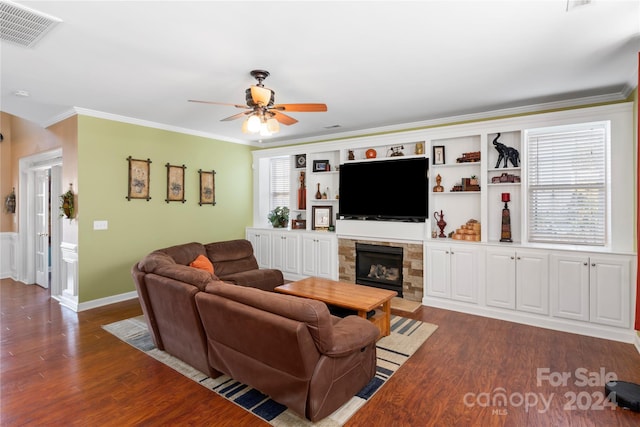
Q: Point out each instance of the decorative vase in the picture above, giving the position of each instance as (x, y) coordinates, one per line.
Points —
(370, 153)
(318, 193)
(441, 223)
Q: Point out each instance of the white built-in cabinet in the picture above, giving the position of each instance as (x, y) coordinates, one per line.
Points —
(285, 252)
(591, 287)
(297, 254)
(452, 272)
(517, 279)
(318, 255)
(583, 290)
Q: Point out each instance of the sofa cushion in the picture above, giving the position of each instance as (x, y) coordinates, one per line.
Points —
(265, 279)
(202, 263)
(164, 265)
(314, 313)
(232, 256)
(185, 253)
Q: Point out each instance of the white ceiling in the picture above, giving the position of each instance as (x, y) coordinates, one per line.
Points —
(376, 64)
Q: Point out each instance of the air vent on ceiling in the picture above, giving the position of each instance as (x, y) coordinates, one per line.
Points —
(23, 26)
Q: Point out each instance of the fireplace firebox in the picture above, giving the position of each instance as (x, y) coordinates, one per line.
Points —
(379, 266)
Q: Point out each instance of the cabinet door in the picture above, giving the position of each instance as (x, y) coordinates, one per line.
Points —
(569, 282)
(501, 276)
(325, 257)
(438, 273)
(277, 251)
(291, 254)
(464, 274)
(610, 290)
(309, 255)
(261, 242)
(532, 282)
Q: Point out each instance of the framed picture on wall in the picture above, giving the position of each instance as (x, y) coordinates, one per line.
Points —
(139, 179)
(321, 217)
(438, 155)
(175, 183)
(207, 187)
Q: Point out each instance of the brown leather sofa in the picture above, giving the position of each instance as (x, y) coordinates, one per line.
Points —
(167, 286)
(287, 347)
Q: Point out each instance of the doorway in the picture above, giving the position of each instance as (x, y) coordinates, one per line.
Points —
(40, 227)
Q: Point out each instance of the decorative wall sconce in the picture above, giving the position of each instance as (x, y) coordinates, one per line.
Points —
(10, 202)
(66, 203)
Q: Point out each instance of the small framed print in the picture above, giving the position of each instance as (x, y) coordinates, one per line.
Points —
(175, 183)
(438, 155)
(321, 166)
(301, 160)
(321, 217)
(207, 187)
(139, 179)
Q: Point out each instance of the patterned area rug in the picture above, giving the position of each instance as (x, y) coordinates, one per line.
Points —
(392, 351)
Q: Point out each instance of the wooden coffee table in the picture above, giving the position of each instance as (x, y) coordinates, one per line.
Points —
(347, 295)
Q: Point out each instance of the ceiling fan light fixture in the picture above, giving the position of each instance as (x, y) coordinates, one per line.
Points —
(264, 130)
(253, 123)
(260, 95)
(273, 125)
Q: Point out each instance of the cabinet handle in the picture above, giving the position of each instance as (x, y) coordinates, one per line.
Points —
(446, 252)
(518, 258)
(593, 265)
(512, 257)
(586, 263)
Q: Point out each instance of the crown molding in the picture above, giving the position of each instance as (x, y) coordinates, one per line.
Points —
(622, 95)
(139, 122)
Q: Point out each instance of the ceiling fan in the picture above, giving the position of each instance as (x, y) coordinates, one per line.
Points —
(262, 114)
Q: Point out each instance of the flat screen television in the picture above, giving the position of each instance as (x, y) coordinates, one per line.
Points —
(394, 189)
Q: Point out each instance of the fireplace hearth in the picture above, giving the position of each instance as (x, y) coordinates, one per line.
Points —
(379, 266)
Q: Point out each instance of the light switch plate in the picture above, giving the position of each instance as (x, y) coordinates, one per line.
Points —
(100, 225)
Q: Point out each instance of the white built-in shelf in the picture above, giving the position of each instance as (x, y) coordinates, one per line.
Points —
(378, 159)
(450, 193)
(503, 184)
(455, 165)
(325, 201)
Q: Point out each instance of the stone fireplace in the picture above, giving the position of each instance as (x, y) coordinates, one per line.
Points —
(379, 266)
(411, 275)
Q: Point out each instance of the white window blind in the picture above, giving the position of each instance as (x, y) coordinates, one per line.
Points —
(567, 184)
(279, 182)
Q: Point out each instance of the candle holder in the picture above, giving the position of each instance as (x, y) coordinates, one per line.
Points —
(505, 235)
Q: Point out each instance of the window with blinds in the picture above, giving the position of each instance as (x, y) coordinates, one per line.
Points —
(279, 182)
(567, 184)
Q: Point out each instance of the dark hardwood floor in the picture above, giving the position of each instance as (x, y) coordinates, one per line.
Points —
(58, 367)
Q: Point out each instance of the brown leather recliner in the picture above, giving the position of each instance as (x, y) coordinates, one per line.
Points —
(167, 286)
(289, 348)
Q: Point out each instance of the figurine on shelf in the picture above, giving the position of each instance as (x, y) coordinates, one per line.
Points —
(438, 188)
(508, 154)
(302, 193)
(318, 193)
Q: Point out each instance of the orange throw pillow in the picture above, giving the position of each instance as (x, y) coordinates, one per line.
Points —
(203, 263)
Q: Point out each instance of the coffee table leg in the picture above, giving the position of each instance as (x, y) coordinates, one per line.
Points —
(386, 321)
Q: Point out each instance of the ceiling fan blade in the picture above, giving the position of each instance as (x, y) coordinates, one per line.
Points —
(283, 118)
(300, 107)
(217, 103)
(237, 116)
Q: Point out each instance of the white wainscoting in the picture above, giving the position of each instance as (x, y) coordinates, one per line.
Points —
(8, 251)
(69, 276)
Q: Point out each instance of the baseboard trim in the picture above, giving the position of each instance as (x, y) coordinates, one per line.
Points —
(100, 302)
(564, 325)
(637, 341)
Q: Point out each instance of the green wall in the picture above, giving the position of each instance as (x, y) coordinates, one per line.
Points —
(137, 227)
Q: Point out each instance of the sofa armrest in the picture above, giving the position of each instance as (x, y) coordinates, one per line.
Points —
(352, 334)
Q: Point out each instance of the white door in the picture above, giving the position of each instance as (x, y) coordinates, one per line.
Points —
(42, 227)
(532, 282)
(464, 272)
(438, 284)
(501, 278)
